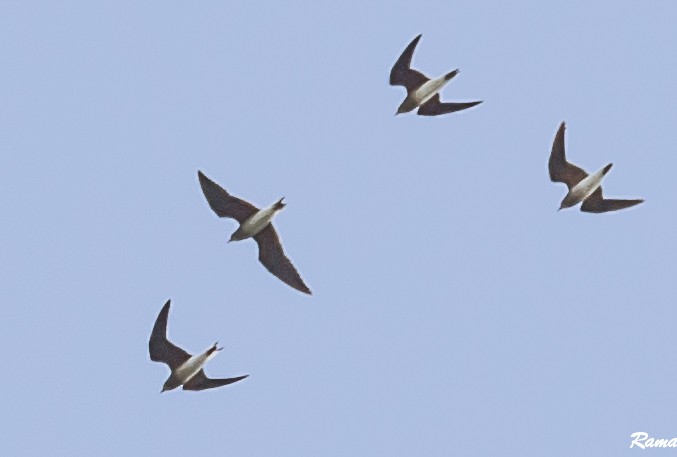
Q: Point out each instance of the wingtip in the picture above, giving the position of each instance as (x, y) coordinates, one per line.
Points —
(302, 288)
(239, 378)
(165, 307)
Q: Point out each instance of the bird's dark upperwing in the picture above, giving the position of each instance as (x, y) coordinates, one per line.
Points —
(402, 74)
(201, 382)
(596, 203)
(560, 169)
(433, 107)
(161, 350)
(272, 257)
(224, 204)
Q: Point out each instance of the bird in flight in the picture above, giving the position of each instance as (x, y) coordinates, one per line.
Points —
(582, 187)
(186, 369)
(254, 223)
(422, 92)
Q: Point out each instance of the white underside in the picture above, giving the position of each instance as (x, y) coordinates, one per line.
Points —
(587, 186)
(192, 366)
(429, 89)
(258, 221)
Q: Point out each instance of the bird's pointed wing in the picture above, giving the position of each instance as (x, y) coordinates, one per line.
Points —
(596, 203)
(560, 169)
(159, 347)
(401, 73)
(201, 382)
(224, 204)
(273, 258)
(434, 107)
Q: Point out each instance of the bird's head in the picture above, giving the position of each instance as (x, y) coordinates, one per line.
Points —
(236, 236)
(170, 384)
(567, 203)
(407, 105)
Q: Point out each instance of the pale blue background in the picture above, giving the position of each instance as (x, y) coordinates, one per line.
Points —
(455, 311)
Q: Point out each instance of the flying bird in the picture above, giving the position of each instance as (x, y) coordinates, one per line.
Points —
(582, 187)
(186, 369)
(422, 92)
(254, 223)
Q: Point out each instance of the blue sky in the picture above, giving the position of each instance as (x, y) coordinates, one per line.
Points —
(455, 311)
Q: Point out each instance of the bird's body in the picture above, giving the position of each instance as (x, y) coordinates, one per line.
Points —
(186, 370)
(422, 92)
(429, 88)
(582, 187)
(257, 222)
(254, 223)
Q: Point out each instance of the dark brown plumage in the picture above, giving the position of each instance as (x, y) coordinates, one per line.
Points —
(562, 171)
(162, 350)
(403, 75)
(224, 204)
(271, 253)
(273, 258)
(201, 382)
(434, 107)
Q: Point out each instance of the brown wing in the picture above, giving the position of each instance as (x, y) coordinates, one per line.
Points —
(224, 204)
(201, 382)
(401, 73)
(596, 203)
(560, 169)
(434, 107)
(272, 257)
(159, 347)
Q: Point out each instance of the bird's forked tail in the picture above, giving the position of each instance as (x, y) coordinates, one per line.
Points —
(279, 205)
(214, 349)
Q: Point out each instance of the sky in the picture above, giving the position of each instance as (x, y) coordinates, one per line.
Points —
(454, 310)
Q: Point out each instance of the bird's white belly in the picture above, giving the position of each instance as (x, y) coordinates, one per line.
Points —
(588, 185)
(258, 221)
(191, 367)
(429, 89)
